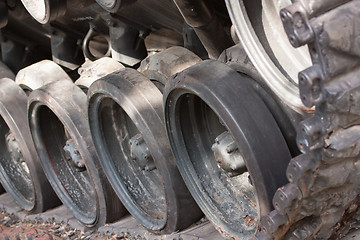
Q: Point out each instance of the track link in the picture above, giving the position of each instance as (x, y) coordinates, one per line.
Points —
(322, 199)
(126, 228)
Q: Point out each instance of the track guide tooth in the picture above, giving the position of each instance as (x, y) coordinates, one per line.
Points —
(308, 134)
(285, 196)
(272, 222)
(309, 84)
(298, 166)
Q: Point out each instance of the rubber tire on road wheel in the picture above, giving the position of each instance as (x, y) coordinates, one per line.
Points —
(33, 193)
(127, 102)
(202, 102)
(52, 109)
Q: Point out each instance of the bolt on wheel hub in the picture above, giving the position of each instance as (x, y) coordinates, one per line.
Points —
(72, 154)
(141, 153)
(227, 154)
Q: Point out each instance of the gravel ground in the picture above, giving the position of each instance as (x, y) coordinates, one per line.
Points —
(12, 228)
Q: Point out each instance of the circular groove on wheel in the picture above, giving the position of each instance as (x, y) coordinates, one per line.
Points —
(62, 137)
(210, 102)
(20, 170)
(125, 108)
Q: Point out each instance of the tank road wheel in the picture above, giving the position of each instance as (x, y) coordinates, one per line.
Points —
(59, 126)
(228, 146)
(20, 170)
(260, 30)
(161, 66)
(126, 121)
(5, 72)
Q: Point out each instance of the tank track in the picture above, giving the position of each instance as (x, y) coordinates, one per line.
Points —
(322, 199)
(62, 222)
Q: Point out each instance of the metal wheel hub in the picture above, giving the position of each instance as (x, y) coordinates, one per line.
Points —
(227, 154)
(141, 153)
(62, 137)
(126, 122)
(234, 179)
(20, 169)
(73, 155)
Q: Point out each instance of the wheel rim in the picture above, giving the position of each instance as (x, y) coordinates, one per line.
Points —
(125, 108)
(61, 137)
(266, 44)
(72, 181)
(148, 198)
(15, 174)
(208, 130)
(20, 168)
(199, 136)
(14, 170)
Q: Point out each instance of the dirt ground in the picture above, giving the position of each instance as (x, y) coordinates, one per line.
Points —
(12, 228)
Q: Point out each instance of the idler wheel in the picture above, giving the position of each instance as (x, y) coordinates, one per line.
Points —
(127, 125)
(261, 33)
(227, 145)
(59, 126)
(20, 170)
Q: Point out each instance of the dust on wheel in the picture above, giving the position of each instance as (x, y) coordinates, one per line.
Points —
(20, 170)
(160, 67)
(227, 145)
(62, 137)
(126, 121)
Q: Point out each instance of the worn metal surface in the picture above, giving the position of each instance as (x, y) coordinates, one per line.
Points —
(40, 74)
(114, 5)
(57, 117)
(201, 17)
(96, 44)
(127, 41)
(91, 71)
(322, 199)
(160, 67)
(258, 26)
(122, 105)
(197, 110)
(46, 10)
(65, 49)
(20, 170)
